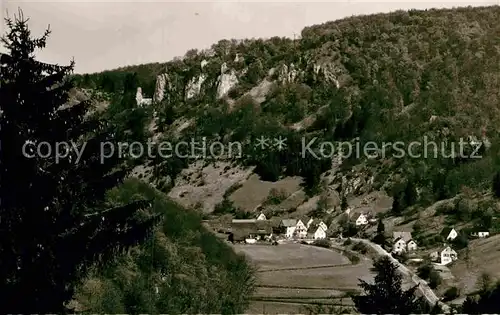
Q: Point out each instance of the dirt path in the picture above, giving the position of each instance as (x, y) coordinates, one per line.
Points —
(423, 287)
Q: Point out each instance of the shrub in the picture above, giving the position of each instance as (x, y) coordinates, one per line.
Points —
(360, 247)
(434, 279)
(322, 243)
(462, 241)
(354, 259)
(451, 294)
(275, 197)
(424, 271)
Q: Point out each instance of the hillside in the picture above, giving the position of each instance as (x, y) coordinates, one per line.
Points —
(377, 80)
(181, 261)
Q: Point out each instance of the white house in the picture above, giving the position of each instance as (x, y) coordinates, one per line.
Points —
(301, 229)
(411, 245)
(483, 234)
(360, 219)
(261, 216)
(480, 234)
(320, 233)
(288, 225)
(399, 246)
(448, 255)
(323, 225)
(403, 242)
(449, 234)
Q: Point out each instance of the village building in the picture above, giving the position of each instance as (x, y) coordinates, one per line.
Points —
(307, 221)
(403, 242)
(449, 234)
(319, 234)
(301, 227)
(360, 219)
(243, 230)
(261, 216)
(323, 225)
(480, 233)
(483, 234)
(317, 230)
(445, 257)
(287, 227)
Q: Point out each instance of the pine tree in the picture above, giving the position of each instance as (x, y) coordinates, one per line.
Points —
(343, 204)
(496, 185)
(53, 225)
(410, 194)
(380, 227)
(397, 207)
(380, 236)
(385, 295)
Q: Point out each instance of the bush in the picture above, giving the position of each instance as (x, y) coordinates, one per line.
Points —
(434, 279)
(424, 271)
(451, 294)
(275, 197)
(462, 241)
(322, 243)
(360, 247)
(354, 259)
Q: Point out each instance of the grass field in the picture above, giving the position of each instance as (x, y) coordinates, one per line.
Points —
(484, 255)
(292, 276)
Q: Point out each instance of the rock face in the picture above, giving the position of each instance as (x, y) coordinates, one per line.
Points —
(203, 64)
(227, 80)
(141, 101)
(193, 88)
(238, 58)
(327, 72)
(161, 85)
(288, 74)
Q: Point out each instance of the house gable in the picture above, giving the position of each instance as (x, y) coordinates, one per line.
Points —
(300, 225)
(449, 233)
(360, 219)
(400, 242)
(261, 216)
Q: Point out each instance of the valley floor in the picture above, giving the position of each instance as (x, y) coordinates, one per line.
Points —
(293, 276)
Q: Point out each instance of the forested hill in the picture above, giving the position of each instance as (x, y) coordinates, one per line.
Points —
(383, 77)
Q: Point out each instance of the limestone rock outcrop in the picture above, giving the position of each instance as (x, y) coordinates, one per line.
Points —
(327, 72)
(227, 80)
(193, 88)
(142, 101)
(288, 74)
(162, 80)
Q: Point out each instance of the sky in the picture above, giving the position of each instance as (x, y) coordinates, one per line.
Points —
(102, 35)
